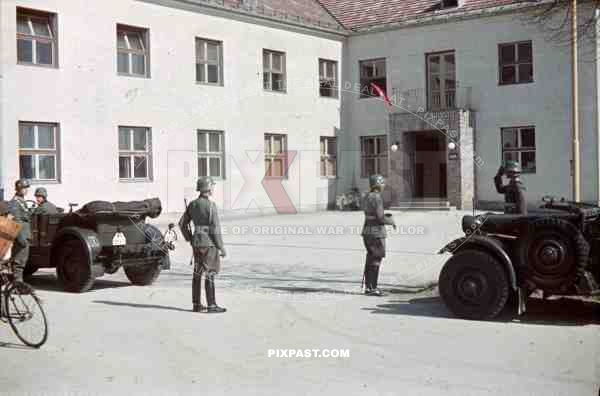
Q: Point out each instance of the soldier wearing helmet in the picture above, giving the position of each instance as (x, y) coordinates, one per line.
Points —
(43, 205)
(17, 207)
(207, 245)
(374, 233)
(514, 196)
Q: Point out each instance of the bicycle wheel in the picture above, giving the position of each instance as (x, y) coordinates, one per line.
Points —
(25, 314)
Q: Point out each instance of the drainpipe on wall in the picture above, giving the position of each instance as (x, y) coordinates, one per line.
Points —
(575, 105)
(597, 72)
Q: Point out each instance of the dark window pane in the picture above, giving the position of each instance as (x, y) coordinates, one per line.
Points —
(277, 62)
(332, 168)
(528, 137)
(525, 72)
(215, 167)
(323, 168)
(47, 166)
(331, 72)
(200, 54)
(27, 166)
(524, 52)
(212, 52)
(509, 138)
(202, 142)
(381, 83)
(23, 25)
(24, 50)
(277, 82)
(331, 146)
(380, 68)
(121, 43)
(138, 64)
(213, 74)
(123, 62)
(528, 161)
(124, 167)
(370, 166)
(202, 166)
(139, 139)
(45, 136)
(214, 142)
(124, 139)
(277, 167)
(41, 28)
(140, 167)
(507, 54)
(44, 53)
(200, 72)
(26, 136)
(266, 80)
(266, 61)
(135, 41)
(508, 75)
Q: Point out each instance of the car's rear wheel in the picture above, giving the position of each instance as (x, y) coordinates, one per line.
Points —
(73, 267)
(473, 284)
(143, 275)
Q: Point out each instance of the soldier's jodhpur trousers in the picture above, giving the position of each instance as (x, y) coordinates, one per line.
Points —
(375, 253)
(207, 263)
(20, 255)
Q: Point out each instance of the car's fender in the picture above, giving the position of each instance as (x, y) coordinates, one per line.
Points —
(88, 237)
(491, 245)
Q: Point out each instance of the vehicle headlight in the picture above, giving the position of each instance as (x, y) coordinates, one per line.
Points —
(470, 223)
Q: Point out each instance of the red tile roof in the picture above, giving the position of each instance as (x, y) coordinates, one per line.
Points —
(357, 14)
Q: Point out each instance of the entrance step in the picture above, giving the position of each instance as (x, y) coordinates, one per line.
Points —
(423, 204)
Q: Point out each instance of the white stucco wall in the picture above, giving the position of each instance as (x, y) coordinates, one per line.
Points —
(545, 103)
(89, 101)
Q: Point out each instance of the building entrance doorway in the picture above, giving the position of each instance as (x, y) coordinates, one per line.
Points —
(429, 164)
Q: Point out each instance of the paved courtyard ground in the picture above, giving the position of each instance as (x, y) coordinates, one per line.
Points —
(290, 282)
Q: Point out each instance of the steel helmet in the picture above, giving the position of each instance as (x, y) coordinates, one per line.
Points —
(21, 184)
(204, 184)
(41, 192)
(512, 167)
(376, 180)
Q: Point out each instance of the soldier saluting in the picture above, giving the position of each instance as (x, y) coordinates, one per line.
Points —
(207, 245)
(17, 207)
(513, 191)
(374, 233)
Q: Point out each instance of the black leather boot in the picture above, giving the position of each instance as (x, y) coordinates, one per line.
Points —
(373, 275)
(209, 285)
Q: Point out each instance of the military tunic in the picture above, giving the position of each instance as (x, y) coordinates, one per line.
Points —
(46, 207)
(513, 195)
(20, 249)
(374, 232)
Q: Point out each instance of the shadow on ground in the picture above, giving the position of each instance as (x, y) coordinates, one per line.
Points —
(144, 306)
(354, 292)
(48, 282)
(558, 312)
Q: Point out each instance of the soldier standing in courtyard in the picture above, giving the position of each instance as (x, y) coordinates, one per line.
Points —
(17, 207)
(44, 206)
(207, 245)
(374, 233)
(514, 196)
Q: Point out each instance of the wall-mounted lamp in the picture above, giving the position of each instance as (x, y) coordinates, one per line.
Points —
(394, 147)
(451, 146)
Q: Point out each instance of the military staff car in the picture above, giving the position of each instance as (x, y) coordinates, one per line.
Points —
(506, 257)
(100, 238)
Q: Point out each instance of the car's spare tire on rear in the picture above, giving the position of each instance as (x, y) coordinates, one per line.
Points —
(550, 254)
(143, 275)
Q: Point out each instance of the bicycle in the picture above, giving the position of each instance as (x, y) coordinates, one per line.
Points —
(20, 306)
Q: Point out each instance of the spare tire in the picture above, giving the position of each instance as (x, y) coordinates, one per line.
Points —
(551, 254)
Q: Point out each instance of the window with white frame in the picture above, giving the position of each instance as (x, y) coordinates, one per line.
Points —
(374, 155)
(372, 72)
(36, 38)
(518, 144)
(276, 159)
(274, 71)
(132, 51)
(328, 81)
(209, 61)
(135, 153)
(515, 62)
(328, 156)
(211, 150)
(38, 151)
